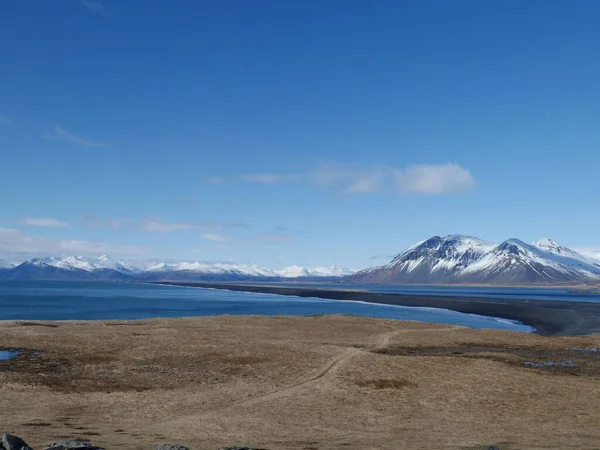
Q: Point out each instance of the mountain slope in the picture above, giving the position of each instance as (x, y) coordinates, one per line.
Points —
(514, 261)
(38, 269)
(105, 268)
(434, 260)
(463, 259)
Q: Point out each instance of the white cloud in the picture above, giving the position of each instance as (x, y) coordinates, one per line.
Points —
(6, 121)
(215, 237)
(434, 179)
(269, 178)
(14, 242)
(417, 179)
(46, 222)
(351, 180)
(62, 135)
(95, 7)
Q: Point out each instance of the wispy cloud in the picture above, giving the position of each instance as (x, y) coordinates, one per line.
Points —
(434, 179)
(45, 222)
(155, 224)
(62, 135)
(424, 179)
(96, 221)
(6, 121)
(15, 242)
(213, 237)
(95, 7)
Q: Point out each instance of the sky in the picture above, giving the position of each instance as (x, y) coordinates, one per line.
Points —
(295, 132)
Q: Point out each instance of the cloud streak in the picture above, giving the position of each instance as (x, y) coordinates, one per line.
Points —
(213, 237)
(434, 179)
(95, 7)
(45, 222)
(61, 135)
(154, 224)
(15, 242)
(423, 179)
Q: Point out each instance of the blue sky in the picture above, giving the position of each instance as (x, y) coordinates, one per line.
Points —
(281, 132)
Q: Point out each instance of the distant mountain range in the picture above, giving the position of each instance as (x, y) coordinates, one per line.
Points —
(106, 268)
(465, 259)
(452, 259)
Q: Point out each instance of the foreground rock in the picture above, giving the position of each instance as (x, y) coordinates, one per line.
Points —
(73, 445)
(10, 442)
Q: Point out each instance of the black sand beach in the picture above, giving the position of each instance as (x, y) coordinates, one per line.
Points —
(549, 318)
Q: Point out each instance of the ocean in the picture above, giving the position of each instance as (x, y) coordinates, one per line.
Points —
(83, 300)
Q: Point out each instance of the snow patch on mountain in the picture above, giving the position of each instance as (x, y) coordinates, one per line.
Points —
(456, 258)
(6, 264)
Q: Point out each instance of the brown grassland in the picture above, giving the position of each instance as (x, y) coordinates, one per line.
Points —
(331, 382)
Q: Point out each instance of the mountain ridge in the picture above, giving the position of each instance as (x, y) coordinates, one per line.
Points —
(455, 259)
(105, 268)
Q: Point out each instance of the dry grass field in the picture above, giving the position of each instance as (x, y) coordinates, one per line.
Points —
(331, 382)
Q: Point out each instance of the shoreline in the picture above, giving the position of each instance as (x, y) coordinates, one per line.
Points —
(546, 317)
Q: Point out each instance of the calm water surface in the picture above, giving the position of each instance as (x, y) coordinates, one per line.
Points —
(72, 300)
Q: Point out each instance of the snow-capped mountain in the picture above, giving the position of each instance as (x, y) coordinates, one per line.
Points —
(5, 264)
(78, 267)
(431, 261)
(514, 261)
(551, 246)
(463, 259)
(299, 271)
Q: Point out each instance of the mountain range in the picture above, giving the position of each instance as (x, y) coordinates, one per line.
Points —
(465, 259)
(106, 268)
(451, 259)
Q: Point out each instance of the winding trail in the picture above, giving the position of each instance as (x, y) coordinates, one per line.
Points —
(330, 367)
(383, 341)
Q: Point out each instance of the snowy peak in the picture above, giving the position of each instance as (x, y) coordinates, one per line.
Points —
(442, 253)
(105, 267)
(293, 272)
(554, 247)
(313, 272)
(5, 264)
(466, 259)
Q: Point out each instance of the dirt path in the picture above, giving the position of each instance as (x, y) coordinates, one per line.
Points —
(330, 367)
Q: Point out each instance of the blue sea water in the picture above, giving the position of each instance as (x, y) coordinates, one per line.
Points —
(72, 300)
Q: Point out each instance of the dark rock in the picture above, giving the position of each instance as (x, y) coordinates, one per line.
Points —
(172, 447)
(10, 442)
(73, 445)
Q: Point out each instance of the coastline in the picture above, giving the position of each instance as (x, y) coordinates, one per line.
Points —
(548, 318)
